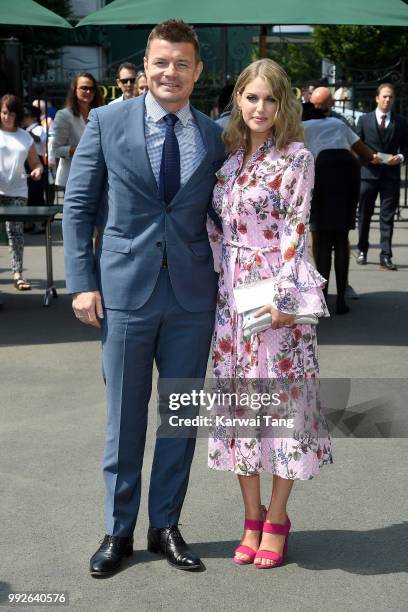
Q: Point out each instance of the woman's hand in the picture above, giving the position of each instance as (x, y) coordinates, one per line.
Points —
(279, 319)
(36, 174)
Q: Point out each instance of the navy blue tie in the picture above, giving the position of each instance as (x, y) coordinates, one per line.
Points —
(169, 182)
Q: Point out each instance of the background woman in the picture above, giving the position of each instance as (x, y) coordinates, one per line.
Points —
(16, 147)
(141, 84)
(263, 199)
(69, 123)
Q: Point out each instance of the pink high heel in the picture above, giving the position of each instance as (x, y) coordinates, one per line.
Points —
(247, 550)
(270, 554)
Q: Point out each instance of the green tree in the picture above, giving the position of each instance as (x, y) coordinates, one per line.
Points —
(301, 60)
(363, 47)
(49, 40)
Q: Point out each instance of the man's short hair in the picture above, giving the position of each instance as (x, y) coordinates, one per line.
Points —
(126, 66)
(175, 31)
(383, 86)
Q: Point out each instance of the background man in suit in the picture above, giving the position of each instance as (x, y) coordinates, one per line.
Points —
(152, 288)
(385, 132)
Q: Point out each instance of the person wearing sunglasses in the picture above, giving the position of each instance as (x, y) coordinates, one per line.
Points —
(69, 123)
(126, 82)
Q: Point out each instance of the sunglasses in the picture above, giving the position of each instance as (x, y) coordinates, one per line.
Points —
(85, 88)
(124, 81)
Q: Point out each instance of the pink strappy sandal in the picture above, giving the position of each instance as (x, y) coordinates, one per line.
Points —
(270, 554)
(247, 550)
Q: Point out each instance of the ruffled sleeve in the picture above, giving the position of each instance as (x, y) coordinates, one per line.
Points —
(299, 285)
(215, 237)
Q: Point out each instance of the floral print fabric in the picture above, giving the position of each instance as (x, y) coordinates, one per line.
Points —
(264, 207)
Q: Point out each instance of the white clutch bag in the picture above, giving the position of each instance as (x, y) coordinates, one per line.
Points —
(250, 298)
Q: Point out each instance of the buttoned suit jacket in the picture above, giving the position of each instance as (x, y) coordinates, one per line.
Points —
(111, 163)
(393, 140)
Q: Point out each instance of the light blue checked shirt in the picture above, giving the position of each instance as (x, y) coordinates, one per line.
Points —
(192, 149)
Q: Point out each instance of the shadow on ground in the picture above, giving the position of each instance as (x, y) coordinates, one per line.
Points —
(25, 321)
(375, 319)
(355, 552)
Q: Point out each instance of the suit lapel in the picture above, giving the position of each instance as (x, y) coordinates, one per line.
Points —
(392, 127)
(134, 126)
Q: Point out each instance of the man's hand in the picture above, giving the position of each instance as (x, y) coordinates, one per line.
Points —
(375, 160)
(279, 319)
(394, 161)
(87, 307)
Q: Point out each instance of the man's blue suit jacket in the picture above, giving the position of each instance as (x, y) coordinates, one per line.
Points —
(111, 163)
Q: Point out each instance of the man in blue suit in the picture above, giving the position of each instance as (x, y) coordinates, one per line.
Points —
(152, 286)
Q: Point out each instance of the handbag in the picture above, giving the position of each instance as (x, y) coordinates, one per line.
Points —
(253, 296)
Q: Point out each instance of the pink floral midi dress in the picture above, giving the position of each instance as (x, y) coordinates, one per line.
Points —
(264, 208)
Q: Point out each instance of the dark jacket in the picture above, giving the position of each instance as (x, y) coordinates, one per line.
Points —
(392, 140)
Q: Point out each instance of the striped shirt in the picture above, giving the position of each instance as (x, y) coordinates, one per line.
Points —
(192, 149)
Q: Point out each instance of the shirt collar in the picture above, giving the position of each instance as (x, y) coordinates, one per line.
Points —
(157, 112)
(380, 114)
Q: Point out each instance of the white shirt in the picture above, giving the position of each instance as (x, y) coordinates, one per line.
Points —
(330, 133)
(38, 130)
(14, 148)
(120, 99)
(379, 114)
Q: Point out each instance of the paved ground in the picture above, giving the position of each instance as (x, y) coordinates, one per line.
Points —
(348, 550)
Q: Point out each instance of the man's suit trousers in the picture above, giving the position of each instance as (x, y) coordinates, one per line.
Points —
(178, 341)
(389, 190)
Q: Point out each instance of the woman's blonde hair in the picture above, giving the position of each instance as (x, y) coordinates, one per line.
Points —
(287, 125)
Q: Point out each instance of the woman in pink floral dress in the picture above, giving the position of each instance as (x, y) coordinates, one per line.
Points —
(263, 198)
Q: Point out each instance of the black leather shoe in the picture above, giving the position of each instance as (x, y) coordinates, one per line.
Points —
(386, 262)
(170, 543)
(108, 558)
(362, 258)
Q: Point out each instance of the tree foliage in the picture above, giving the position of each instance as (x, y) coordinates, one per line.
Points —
(361, 47)
(301, 60)
(48, 41)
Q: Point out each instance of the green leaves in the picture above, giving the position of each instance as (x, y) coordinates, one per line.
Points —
(362, 47)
